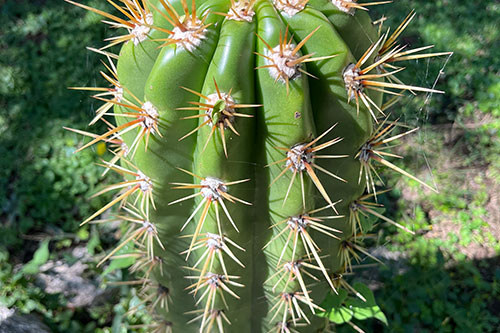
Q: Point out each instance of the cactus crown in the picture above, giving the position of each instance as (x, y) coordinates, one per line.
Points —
(247, 133)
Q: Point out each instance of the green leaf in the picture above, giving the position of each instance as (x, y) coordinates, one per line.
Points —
(334, 310)
(366, 293)
(332, 300)
(39, 258)
(83, 234)
(121, 262)
(364, 310)
(117, 326)
(4, 255)
(93, 242)
(340, 315)
(361, 313)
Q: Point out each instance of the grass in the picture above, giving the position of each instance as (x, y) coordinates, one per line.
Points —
(446, 278)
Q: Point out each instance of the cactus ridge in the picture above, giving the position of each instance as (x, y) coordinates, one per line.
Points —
(246, 132)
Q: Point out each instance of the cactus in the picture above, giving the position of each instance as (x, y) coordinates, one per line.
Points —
(248, 134)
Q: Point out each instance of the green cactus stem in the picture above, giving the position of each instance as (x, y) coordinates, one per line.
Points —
(247, 134)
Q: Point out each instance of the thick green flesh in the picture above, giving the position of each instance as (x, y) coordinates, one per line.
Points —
(281, 127)
(330, 107)
(157, 75)
(231, 68)
(356, 30)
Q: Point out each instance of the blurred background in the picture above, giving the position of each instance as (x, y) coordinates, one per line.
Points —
(443, 279)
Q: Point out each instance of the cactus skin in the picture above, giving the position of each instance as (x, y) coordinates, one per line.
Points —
(252, 167)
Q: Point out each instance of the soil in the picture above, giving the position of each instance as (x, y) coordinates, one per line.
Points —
(472, 178)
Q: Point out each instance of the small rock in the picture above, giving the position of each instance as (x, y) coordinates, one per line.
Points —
(60, 277)
(11, 322)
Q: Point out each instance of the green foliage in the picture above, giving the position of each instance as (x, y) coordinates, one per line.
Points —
(119, 263)
(439, 288)
(335, 311)
(39, 258)
(470, 77)
(43, 186)
(431, 298)
(17, 291)
(367, 308)
(342, 308)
